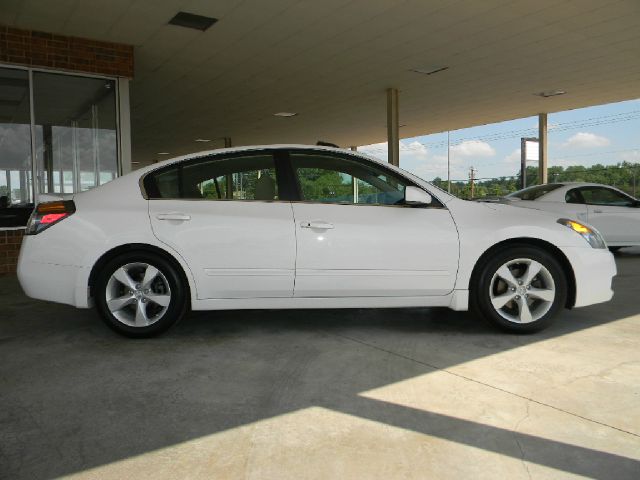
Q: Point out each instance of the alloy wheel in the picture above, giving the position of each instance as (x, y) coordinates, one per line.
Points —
(138, 294)
(522, 290)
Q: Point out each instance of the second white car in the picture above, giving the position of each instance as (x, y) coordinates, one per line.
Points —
(611, 211)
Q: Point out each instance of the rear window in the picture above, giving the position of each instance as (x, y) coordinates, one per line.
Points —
(533, 193)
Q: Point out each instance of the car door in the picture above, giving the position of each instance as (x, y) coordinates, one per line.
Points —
(356, 238)
(615, 214)
(225, 216)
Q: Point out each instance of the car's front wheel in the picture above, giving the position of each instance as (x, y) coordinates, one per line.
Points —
(520, 289)
(140, 294)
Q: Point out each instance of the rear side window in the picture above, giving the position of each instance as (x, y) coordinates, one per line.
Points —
(605, 196)
(533, 193)
(251, 177)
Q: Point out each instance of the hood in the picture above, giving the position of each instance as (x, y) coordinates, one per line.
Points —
(506, 213)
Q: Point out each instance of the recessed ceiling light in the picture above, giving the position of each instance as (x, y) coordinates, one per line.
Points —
(551, 93)
(285, 114)
(202, 140)
(162, 153)
(429, 70)
(191, 20)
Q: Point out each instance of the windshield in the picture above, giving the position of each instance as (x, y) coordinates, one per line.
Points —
(533, 193)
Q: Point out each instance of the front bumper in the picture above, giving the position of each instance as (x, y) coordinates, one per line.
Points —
(594, 270)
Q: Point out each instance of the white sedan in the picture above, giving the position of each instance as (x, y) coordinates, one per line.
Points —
(612, 212)
(289, 226)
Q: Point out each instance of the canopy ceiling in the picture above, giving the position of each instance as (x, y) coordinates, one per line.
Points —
(331, 61)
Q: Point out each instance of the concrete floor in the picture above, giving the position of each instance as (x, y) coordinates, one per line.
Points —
(412, 393)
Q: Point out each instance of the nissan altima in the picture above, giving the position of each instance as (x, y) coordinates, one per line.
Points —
(285, 226)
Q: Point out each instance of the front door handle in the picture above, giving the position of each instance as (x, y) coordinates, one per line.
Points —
(182, 217)
(317, 224)
(597, 211)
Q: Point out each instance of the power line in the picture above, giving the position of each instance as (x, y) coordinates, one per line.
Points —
(509, 134)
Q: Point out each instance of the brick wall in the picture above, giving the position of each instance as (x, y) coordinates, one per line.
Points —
(41, 49)
(10, 241)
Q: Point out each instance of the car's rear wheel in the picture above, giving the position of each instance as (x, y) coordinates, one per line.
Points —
(140, 294)
(520, 289)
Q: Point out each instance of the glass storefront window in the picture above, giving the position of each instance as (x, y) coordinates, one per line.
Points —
(75, 132)
(15, 138)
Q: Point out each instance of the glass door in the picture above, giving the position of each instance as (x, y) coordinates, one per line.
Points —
(75, 132)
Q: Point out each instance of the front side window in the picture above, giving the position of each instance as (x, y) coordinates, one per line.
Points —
(330, 179)
(250, 177)
(605, 196)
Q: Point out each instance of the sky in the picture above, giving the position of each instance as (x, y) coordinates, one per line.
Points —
(604, 134)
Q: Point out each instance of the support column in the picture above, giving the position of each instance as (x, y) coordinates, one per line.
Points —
(124, 122)
(542, 145)
(229, 177)
(7, 174)
(393, 127)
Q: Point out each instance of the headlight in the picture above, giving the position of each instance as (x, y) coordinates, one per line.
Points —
(591, 235)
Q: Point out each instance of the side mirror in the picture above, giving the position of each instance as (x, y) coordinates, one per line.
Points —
(416, 196)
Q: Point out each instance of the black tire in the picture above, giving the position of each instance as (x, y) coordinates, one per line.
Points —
(614, 249)
(483, 283)
(170, 275)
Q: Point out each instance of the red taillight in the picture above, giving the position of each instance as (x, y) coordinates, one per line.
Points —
(49, 213)
(52, 217)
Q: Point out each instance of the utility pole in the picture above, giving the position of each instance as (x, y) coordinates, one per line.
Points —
(229, 176)
(393, 126)
(472, 178)
(523, 163)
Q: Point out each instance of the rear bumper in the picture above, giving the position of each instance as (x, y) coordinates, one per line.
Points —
(48, 281)
(594, 270)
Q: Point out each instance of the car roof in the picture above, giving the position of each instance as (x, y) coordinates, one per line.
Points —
(584, 184)
(249, 148)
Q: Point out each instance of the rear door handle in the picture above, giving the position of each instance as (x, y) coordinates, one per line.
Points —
(183, 217)
(597, 211)
(318, 224)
